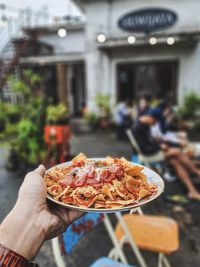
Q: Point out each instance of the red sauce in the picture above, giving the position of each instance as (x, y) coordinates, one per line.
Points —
(90, 174)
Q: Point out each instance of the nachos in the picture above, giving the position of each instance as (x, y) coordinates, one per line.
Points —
(106, 183)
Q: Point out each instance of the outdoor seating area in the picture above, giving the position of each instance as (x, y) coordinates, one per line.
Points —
(99, 133)
(99, 235)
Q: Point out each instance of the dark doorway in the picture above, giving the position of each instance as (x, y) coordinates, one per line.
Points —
(78, 91)
(157, 79)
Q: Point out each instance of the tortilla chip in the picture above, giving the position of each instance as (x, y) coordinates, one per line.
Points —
(55, 190)
(133, 169)
(101, 197)
(66, 190)
(143, 193)
(87, 191)
(109, 160)
(100, 205)
(80, 157)
(113, 206)
(49, 180)
(132, 184)
(120, 202)
(107, 191)
(120, 189)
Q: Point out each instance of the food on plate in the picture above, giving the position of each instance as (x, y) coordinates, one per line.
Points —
(106, 183)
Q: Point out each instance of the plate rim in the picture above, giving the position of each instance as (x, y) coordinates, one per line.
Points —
(160, 182)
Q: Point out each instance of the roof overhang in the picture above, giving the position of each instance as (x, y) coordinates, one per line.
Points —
(79, 26)
(69, 58)
(187, 38)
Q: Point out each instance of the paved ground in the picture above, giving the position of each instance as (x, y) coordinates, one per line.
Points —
(97, 243)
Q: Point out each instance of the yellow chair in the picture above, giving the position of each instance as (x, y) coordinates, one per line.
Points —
(153, 233)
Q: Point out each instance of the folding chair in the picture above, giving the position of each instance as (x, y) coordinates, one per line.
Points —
(126, 231)
(150, 160)
(153, 233)
(75, 232)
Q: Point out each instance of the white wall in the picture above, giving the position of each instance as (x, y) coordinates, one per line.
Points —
(97, 13)
(74, 42)
(101, 67)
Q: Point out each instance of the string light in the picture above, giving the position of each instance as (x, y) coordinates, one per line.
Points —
(170, 40)
(153, 41)
(131, 39)
(62, 32)
(101, 38)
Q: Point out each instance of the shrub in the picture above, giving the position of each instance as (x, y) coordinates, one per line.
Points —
(103, 103)
(27, 144)
(91, 118)
(57, 113)
(191, 105)
(2, 122)
(12, 112)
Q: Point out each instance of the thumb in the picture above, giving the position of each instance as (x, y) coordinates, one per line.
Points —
(40, 170)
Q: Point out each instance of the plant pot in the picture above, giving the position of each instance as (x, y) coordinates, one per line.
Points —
(64, 121)
(104, 123)
(56, 133)
(13, 117)
(2, 124)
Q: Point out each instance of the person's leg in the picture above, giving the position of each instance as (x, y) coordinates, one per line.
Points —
(189, 164)
(182, 173)
(184, 159)
(196, 162)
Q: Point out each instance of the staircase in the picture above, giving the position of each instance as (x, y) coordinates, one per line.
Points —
(14, 30)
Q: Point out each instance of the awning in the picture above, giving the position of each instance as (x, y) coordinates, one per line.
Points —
(69, 58)
(187, 38)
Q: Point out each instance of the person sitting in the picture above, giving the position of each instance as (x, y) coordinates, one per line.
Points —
(142, 107)
(149, 146)
(167, 128)
(122, 118)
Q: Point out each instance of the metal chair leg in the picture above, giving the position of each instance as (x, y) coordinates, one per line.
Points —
(57, 253)
(166, 263)
(131, 241)
(160, 259)
(114, 239)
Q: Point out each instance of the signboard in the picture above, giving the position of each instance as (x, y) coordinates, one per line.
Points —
(147, 20)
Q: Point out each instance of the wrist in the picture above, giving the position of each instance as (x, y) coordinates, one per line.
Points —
(21, 233)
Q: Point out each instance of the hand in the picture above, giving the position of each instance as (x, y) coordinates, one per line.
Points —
(51, 218)
(164, 147)
(33, 220)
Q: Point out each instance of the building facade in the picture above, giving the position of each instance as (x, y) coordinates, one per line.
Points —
(155, 50)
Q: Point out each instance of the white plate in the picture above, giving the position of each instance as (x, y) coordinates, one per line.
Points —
(152, 177)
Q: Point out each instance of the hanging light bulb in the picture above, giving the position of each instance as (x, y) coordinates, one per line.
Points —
(170, 40)
(153, 41)
(131, 39)
(62, 32)
(101, 38)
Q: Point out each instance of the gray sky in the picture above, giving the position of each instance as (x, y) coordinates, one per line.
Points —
(56, 7)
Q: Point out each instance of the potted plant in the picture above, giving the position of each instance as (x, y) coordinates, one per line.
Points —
(191, 106)
(57, 114)
(57, 134)
(103, 103)
(2, 122)
(91, 119)
(28, 117)
(13, 112)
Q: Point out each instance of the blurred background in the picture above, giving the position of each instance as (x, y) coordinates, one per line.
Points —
(75, 75)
